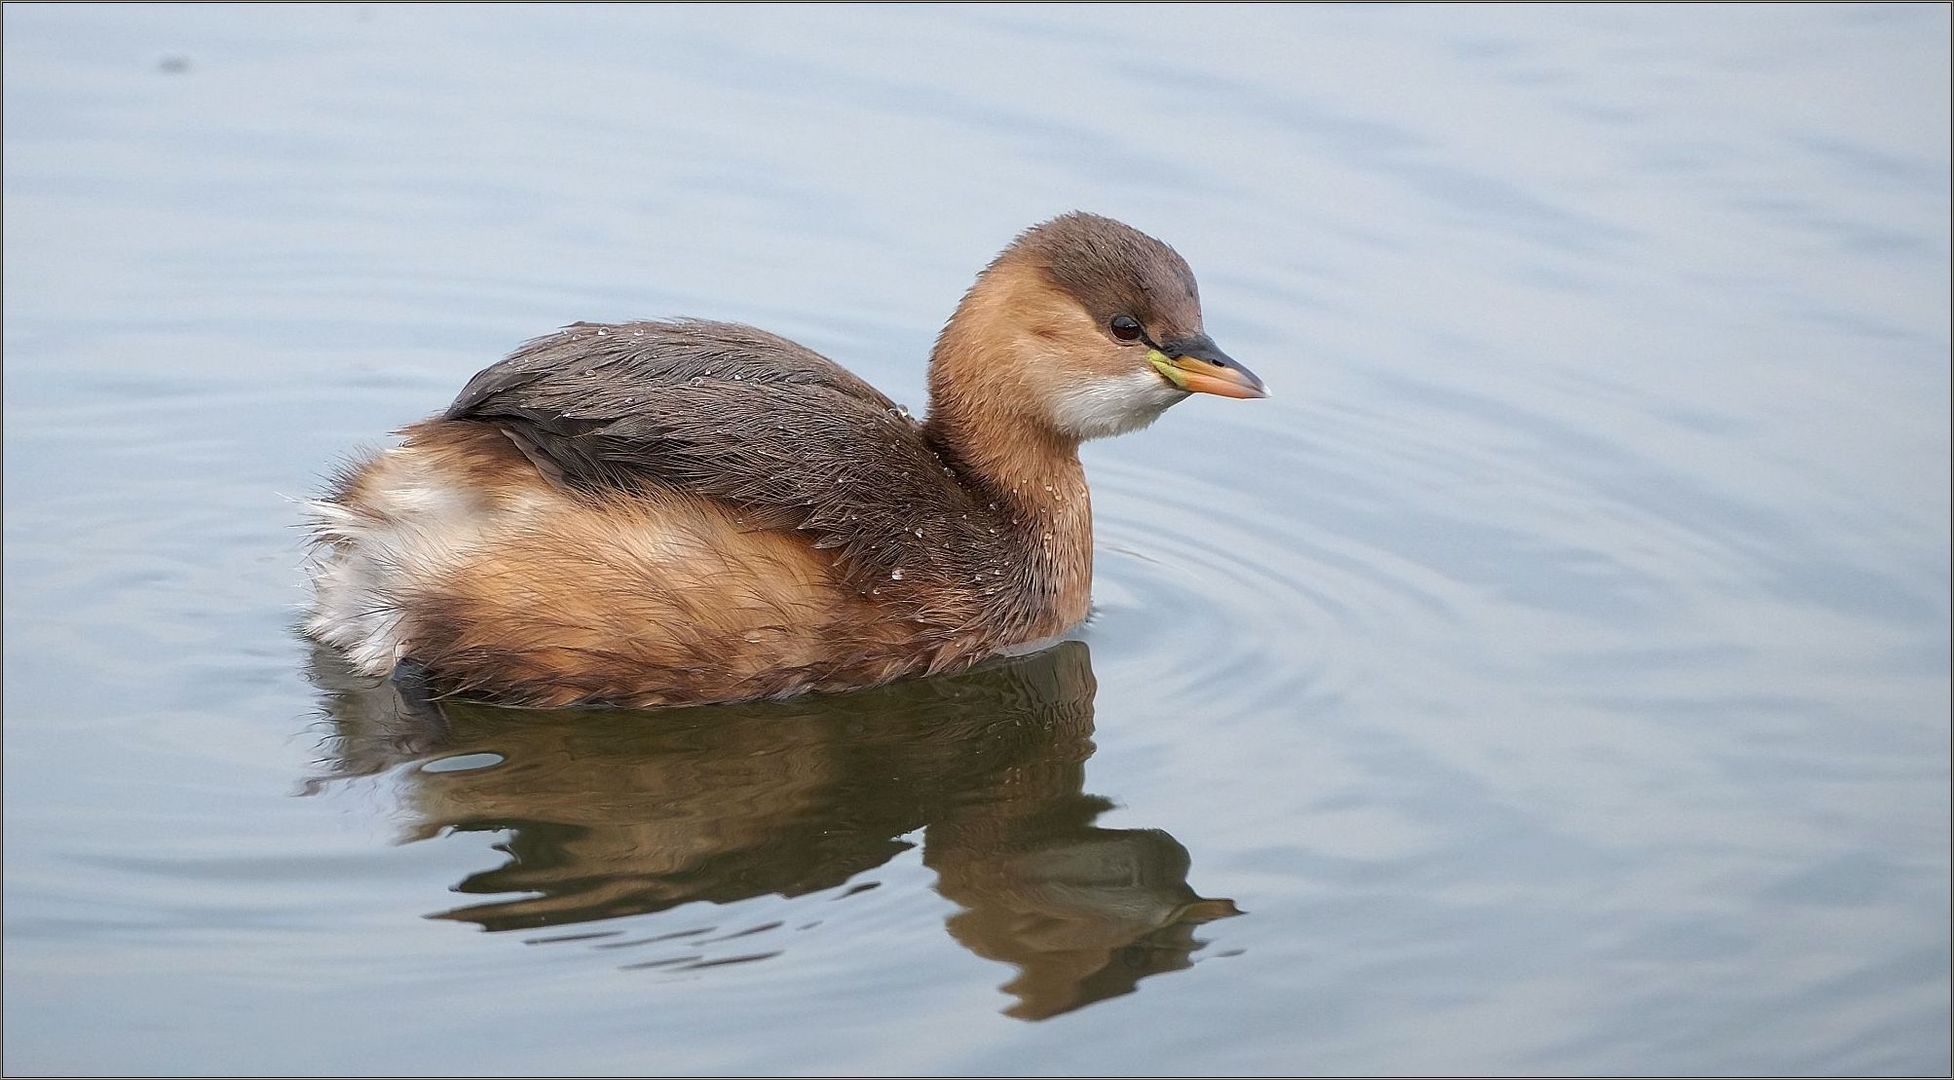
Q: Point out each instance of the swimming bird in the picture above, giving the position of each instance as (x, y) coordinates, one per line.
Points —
(684, 512)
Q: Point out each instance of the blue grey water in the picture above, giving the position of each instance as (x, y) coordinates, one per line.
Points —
(1552, 677)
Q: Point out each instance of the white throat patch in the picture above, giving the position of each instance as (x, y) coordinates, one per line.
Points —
(1113, 406)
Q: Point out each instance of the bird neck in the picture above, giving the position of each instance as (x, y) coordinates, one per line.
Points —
(984, 414)
(987, 425)
(1013, 465)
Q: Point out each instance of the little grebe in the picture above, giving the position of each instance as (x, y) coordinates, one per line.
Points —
(683, 512)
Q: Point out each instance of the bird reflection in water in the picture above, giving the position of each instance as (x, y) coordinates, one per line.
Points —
(613, 813)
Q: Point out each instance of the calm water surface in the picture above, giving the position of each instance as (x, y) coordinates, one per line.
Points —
(1552, 677)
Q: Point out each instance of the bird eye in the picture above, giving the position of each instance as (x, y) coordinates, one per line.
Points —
(1126, 328)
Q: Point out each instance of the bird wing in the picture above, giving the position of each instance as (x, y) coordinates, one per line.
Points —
(740, 415)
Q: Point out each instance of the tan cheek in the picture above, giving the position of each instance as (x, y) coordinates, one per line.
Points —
(1098, 355)
(1068, 342)
(1070, 356)
(1080, 348)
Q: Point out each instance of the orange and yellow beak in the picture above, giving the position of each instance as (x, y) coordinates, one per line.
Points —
(1196, 365)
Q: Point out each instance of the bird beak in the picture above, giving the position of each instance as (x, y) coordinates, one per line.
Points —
(1194, 364)
(1205, 910)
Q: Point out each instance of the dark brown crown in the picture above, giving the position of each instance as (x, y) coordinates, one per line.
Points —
(1113, 269)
